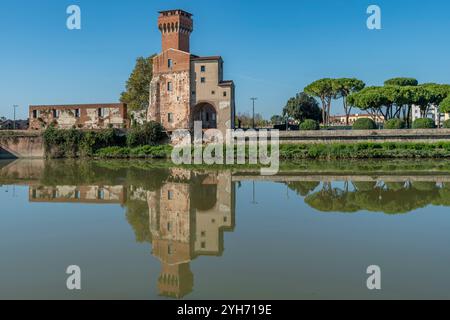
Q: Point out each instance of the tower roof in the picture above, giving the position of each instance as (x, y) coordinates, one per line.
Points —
(176, 11)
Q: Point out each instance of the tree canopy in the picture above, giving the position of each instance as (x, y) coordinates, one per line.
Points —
(136, 95)
(302, 107)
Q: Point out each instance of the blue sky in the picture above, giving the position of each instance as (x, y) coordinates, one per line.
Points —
(271, 49)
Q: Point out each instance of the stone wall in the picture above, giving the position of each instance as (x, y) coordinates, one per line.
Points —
(354, 136)
(21, 144)
(92, 116)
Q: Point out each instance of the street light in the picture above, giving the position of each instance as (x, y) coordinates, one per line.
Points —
(253, 99)
(14, 122)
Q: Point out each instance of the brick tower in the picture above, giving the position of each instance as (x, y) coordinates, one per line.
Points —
(176, 27)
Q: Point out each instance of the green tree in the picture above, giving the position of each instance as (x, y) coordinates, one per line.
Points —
(137, 91)
(277, 119)
(445, 105)
(401, 82)
(302, 107)
(372, 100)
(343, 87)
(323, 89)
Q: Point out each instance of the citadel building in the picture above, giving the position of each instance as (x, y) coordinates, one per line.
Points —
(186, 88)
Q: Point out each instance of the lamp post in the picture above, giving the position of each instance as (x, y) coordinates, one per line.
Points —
(14, 122)
(253, 99)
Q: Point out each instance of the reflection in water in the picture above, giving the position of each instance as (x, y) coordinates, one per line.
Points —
(184, 213)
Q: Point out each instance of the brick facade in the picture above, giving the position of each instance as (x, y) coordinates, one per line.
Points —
(79, 116)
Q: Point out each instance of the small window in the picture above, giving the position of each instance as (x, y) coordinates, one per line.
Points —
(77, 113)
(225, 219)
(169, 86)
(170, 117)
(100, 194)
(170, 195)
(35, 114)
(213, 92)
(224, 93)
(169, 226)
(101, 112)
(55, 113)
(203, 234)
(203, 68)
(170, 63)
(213, 117)
(203, 245)
(203, 80)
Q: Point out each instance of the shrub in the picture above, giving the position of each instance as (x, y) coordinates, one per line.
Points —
(150, 133)
(395, 124)
(446, 124)
(309, 125)
(424, 123)
(364, 124)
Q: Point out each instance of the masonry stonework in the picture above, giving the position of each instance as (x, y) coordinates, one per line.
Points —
(87, 116)
(186, 88)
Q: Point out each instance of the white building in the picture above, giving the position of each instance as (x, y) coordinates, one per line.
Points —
(433, 113)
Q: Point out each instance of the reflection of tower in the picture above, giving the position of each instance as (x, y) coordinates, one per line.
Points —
(188, 216)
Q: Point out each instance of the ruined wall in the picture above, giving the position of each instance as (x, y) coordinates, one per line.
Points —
(170, 90)
(93, 117)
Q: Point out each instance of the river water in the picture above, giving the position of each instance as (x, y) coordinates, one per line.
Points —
(141, 230)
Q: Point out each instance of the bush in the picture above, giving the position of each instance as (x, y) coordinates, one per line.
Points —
(424, 123)
(364, 124)
(395, 124)
(309, 125)
(446, 124)
(150, 133)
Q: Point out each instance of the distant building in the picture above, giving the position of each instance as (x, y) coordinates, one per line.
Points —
(11, 124)
(341, 120)
(79, 116)
(186, 88)
(433, 113)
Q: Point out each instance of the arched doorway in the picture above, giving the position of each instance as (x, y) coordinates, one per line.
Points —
(206, 113)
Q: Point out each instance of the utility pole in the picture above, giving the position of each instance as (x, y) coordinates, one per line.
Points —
(253, 99)
(14, 122)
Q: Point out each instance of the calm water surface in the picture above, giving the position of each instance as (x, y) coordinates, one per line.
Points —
(145, 231)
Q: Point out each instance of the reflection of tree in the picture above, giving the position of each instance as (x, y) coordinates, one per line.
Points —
(303, 188)
(389, 197)
(138, 218)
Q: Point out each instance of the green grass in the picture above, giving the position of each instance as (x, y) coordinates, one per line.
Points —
(292, 152)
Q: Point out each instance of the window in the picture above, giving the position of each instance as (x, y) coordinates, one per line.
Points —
(203, 245)
(77, 113)
(170, 195)
(203, 68)
(203, 80)
(213, 117)
(55, 113)
(170, 117)
(101, 112)
(213, 92)
(100, 194)
(224, 93)
(225, 219)
(169, 86)
(169, 226)
(170, 63)
(203, 234)
(35, 114)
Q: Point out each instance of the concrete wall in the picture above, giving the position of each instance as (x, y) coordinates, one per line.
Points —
(354, 136)
(15, 144)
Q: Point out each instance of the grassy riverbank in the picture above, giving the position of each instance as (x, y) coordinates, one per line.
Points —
(288, 152)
